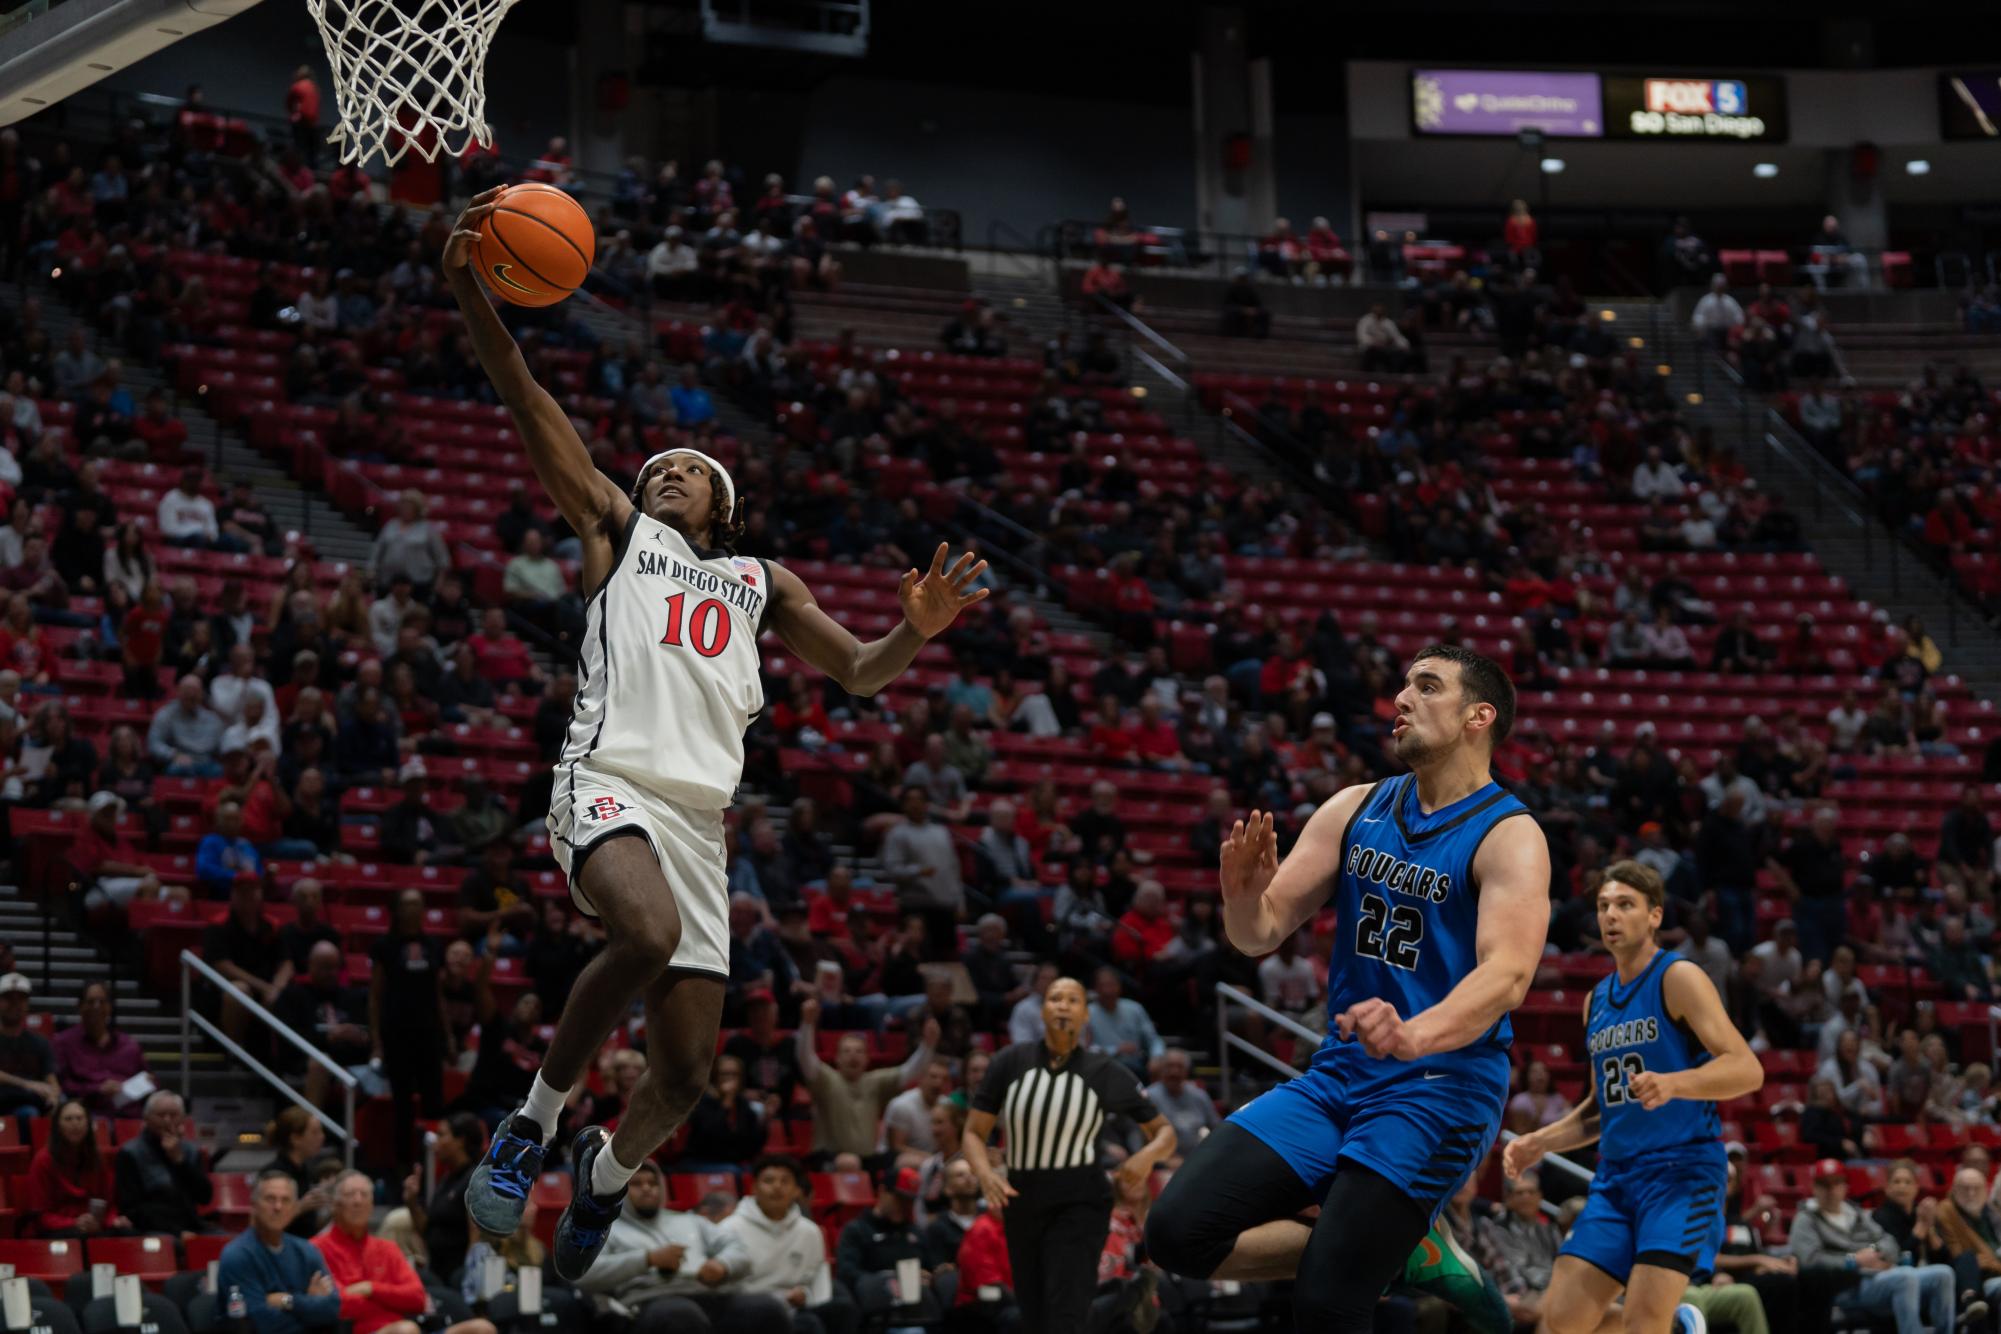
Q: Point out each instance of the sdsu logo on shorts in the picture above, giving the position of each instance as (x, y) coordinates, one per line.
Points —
(605, 808)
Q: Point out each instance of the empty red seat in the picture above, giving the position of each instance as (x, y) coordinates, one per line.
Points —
(52, 1262)
(151, 1258)
(1740, 267)
(204, 1247)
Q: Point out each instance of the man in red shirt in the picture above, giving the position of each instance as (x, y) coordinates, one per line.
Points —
(107, 861)
(983, 1261)
(1145, 929)
(1112, 742)
(162, 433)
(1159, 745)
(1287, 667)
(379, 1292)
(302, 108)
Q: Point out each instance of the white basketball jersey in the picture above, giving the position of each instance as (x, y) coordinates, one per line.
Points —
(668, 677)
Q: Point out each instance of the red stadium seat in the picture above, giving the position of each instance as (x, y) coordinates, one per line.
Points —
(151, 1258)
(53, 1262)
(202, 1248)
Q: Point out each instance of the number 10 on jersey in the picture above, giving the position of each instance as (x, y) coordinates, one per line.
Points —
(706, 630)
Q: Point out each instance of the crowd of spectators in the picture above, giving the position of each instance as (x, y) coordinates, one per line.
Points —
(287, 710)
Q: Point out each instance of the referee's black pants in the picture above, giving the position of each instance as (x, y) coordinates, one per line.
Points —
(1053, 1246)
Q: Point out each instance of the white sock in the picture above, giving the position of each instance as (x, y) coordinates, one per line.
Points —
(544, 1107)
(609, 1175)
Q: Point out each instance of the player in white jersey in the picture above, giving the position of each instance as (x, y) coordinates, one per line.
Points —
(667, 685)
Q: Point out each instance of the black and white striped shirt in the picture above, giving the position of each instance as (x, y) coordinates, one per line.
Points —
(1050, 1118)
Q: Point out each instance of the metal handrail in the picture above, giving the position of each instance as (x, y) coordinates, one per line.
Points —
(192, 964)
(1139, 326)
(1832, 486)
(1226, 1041)
(1291, 459)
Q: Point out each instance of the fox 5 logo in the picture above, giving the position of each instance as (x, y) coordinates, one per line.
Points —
(1695, 97)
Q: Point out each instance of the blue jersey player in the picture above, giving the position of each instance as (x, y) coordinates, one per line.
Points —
(1440, 886)
(1662, 1053)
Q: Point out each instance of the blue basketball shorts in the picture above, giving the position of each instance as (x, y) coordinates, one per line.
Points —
(1664, 1210)
(1424, 1135)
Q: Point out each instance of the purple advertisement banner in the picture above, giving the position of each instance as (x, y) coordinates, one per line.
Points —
(1502, 102)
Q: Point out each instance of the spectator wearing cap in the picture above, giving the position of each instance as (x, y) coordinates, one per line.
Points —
(1834, 1238)
(869, 1248)
(107, 861)
(673, 1269)
(28, 1085)
(185, 737)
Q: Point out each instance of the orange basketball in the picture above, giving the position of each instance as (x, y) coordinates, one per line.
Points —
(537, 245)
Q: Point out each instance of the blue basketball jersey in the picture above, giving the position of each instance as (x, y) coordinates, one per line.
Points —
(1629, 1030)
(1407, 914)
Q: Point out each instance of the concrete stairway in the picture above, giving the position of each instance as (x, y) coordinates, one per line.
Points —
(230, 457)
(228, 1104)
(1878, 566)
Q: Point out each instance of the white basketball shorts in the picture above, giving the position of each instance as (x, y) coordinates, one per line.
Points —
(590, 805)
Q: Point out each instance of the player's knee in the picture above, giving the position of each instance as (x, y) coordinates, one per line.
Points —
(645, 946)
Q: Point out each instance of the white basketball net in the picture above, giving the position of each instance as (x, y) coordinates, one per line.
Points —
(408, 74)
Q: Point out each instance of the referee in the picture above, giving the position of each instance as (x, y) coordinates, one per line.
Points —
(1051, 1098)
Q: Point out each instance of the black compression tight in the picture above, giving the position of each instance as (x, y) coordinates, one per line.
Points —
(1366, 1230)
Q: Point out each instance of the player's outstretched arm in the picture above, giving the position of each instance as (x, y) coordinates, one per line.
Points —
(1732, 1070)
(594, 507)
(1265, 900)
(1573, 1130)
(931, 602)
(1512, 870)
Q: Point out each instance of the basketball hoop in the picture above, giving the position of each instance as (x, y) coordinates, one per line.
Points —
(408, 74)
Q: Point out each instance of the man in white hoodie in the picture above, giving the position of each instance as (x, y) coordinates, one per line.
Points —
(787, 1251)
(673, 1270)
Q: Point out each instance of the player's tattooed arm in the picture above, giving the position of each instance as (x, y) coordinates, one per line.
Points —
(931, 602)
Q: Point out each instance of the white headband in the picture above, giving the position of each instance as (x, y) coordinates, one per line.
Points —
(715, 468)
